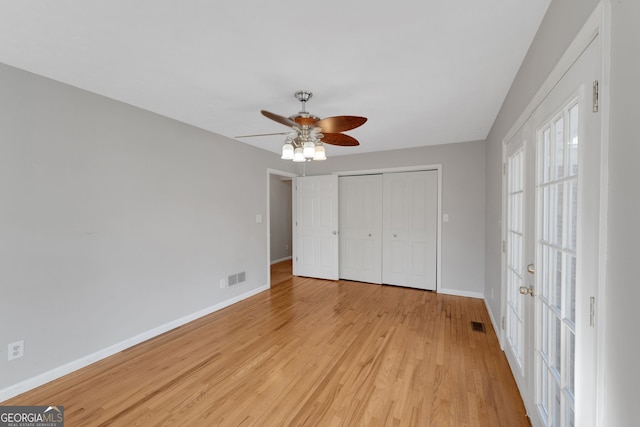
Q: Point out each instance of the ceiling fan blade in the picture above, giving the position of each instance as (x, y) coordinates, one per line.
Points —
(280, 119)
(340, 139)
(340, 123)
(262, 134)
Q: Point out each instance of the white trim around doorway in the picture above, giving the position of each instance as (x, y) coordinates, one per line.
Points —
(268, 214)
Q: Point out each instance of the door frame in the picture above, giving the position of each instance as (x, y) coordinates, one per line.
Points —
(437, 167)
(268, 213)
(597, 25)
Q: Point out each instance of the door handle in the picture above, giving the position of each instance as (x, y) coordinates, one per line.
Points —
(524, 290)
(531, 269)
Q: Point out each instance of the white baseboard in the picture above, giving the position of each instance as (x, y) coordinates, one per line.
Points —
(496, 325)
(280, 260)
(38, 380)
(459, 293)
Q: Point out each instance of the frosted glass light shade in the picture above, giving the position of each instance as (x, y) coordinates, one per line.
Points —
(298, 155)
(309, 149)
(287, 151)
(320, 153)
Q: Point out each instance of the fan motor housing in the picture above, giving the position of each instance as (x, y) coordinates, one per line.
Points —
(305, 119)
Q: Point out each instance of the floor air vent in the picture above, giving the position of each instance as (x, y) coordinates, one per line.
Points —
(477, 327)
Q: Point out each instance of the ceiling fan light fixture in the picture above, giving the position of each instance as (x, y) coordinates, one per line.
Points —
(298, 155)
(305, 141)
(320, 153)
(309, 149)
(287, 151)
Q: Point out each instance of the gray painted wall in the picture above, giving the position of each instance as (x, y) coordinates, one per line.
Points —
(114, 221)
(280, 207)
(622, 346)
(463, 198)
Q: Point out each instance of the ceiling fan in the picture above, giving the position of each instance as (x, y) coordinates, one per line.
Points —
(309, 132)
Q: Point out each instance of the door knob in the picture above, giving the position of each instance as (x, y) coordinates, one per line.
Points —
(335, 232)
(531, 269)
(524, 290)
(369, 234)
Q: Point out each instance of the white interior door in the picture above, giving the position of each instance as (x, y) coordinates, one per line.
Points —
(410, 210)
(360, 216)
(556, 370)
(316, 227)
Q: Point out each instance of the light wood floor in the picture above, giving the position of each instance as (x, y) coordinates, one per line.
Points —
(305, 353)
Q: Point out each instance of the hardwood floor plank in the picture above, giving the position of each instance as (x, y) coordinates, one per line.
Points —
(306, 352)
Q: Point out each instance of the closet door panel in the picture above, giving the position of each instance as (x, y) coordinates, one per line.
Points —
(361, 228)
(394, 234)
(410, 209)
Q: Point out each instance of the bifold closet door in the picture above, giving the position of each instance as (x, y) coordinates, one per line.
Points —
(410, 210)
(360, 216)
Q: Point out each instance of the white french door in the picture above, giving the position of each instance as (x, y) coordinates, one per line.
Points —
(519, 314)
(552, 229)
(557, 191)
(316, 227)
(567, 238)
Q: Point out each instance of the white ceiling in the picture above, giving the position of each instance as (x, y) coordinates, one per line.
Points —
(423, 71)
